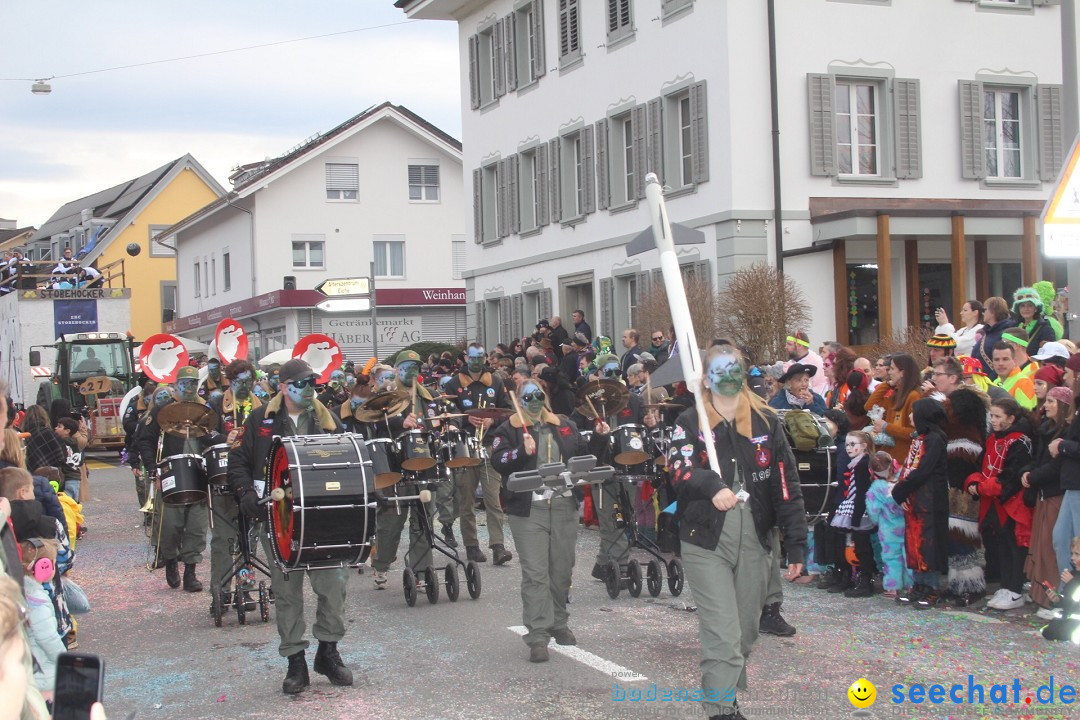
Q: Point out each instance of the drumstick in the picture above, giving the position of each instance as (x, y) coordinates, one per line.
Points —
(592, 407)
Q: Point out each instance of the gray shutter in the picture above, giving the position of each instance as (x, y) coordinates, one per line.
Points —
(644, 285)
(822, 125)
(504, 320)
(542, 176)
(478, 204)
(657, 278)
(539, 63)
(656, 138)
(545, 303)
(638, 127)
(510, 48)
(1051, 132)
(906, 108)
(554, 179)
(607, 301)
(500, 197)
(589, 176)
(474, 71)
(972, 154)
(603, 185)
(516, 309)
(498, 59)
(480, 322)
(513, 202)
(699, 132)
(702, 270)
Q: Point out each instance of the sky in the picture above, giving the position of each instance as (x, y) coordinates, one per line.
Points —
(97, 130)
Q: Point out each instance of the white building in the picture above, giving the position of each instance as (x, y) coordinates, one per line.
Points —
(383, 187)
(918, 142)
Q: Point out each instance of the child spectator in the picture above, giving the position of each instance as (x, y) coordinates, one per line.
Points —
(1067, 627)
(39, 562)
(67, 430)
(825, 541)
(888, 516)
(851, 516)
(1042, 488)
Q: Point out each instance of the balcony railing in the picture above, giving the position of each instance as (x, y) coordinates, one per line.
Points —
(28, 275)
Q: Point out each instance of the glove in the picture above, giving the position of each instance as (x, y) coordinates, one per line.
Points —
(249, 504)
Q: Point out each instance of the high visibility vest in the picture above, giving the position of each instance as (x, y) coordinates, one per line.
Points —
(1021, 387)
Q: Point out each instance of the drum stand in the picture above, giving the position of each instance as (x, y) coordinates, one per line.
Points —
(244, 563)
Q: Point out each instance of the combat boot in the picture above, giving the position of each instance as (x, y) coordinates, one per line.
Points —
(472, 552)
(297, 678)
(191, 583)
(864, 587)
(773, 623)
(499, 554)
(172, 574)
(328, 662)
(448, 536)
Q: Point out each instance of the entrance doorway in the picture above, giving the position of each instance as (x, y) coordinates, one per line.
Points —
(576, 293)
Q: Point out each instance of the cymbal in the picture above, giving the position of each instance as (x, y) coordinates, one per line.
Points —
(382, 405)
(493, 413)
(608, 396)
(444, 416)
(187, 418)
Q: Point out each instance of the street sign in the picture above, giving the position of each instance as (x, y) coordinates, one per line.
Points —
(345, 304)
(1061, 216)
(338, 287)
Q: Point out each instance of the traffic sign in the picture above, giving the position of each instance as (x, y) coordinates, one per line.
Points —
(1061, 216)
(345, 304)
(339, 287)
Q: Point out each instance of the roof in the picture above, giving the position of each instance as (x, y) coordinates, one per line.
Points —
(6, 235)
(268, 167)
(12, 239)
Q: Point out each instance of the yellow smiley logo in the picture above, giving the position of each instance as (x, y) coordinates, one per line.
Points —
(862, 693)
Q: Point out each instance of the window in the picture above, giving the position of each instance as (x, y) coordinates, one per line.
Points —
(577, 197)
(161, 249)
(530, 188)
(685, 137)
(307, 253)
(527, 30)
(671, 7)
(620, 158)
(226, 270)
(457, 257)
(1001, 132)
(424, 183)
(274, 339)
(168, 301)
(198, 279)
(389, 258)
(569, 32)
(342, 181)
(620, 20)
(857, 128)
(489, 190)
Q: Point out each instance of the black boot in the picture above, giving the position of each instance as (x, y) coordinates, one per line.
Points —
(172, 574)
(773, 623)
(499, 554)
(191, 583)
(844, 583)
(599, 571)
(297, 678)
(448, 536)
(472, 552)
(828, 578)
(864, 587)
(328, 663)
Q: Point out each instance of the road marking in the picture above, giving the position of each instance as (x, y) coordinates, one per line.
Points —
(93, 464)
(587, 658)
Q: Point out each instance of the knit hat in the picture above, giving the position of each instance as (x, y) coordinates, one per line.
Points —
(943, 341)
(1026, 294)
(1050, 374)
(972, 366)
(1073, 363)
(1061, 394)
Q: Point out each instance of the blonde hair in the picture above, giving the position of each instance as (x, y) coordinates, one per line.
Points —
(10, 617)
(13, 451)
(31, 553)
(757, 405)
(865, 439)
(13, 480)
(1075, 544)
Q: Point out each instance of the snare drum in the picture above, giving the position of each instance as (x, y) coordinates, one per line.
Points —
(325, 520)
(457, 451)
(414, 447)
(630, 445)
(385, 464)
(183, 480)
(216, 461)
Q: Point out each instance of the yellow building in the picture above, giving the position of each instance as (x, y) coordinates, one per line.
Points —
(103, 231)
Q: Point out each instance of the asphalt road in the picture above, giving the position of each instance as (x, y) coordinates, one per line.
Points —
(463, 660)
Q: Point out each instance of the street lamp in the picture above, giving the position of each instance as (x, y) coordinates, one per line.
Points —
(41, 87)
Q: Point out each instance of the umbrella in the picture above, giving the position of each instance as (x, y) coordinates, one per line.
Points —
(671, 371)
(278, 356)
(192, 345)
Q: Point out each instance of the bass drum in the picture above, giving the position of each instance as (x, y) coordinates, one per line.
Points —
(183, 480)
(324, 519)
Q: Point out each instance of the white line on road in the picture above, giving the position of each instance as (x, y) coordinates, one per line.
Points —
(587, 658)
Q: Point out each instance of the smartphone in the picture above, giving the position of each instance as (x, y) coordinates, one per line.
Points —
(80, 680)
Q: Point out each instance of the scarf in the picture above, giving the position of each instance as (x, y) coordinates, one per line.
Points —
(794, 401)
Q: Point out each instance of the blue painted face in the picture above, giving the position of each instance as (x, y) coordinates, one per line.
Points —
(188, 389)
(444, 381)
(407, 372)
(241, 386)
(273, 381)
(302, 392)
(532, 398)
(162, 397)
(725, 375)
(350, 380)
(475, 358)
(337, 379)
(213, 368)
(355, 401)
(384, 379)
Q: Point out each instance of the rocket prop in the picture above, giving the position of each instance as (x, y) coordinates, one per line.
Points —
(321, 352)
(161, 357)
(231, 341)
(661, 237)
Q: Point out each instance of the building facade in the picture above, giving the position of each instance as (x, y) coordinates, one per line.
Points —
(382, 191)
(908, 178)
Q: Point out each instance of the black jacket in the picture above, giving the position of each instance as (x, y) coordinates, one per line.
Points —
(1070, 456)
(768, 471)
(247, 462)
(1045, 477)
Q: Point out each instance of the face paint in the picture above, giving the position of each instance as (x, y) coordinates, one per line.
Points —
(162, 397)
(214, 369)
(241, 386)
(215, 398)
(274, 380)
(475, 359)
(407, 372)
(187, 388)
(355, 402)
(612, 371)
(302, 392)
(532, 398)
(350, 380)
(725, 375)
(444, 381)
(337, 379)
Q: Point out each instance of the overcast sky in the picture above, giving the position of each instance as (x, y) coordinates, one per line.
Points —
(97, 130)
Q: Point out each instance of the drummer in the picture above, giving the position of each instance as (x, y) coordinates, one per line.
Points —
(336, 391)
(614, 545)
(214, 381)
(183, 527)
(446, 506)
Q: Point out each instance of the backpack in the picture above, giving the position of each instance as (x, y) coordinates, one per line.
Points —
(802, 429)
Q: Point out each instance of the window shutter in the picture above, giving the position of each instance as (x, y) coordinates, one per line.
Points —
(907, 129)
(542, 175)
(589, 176)
(657, 278)
(498, 58)
(539, 63)
(822, 125)
(640, 147)
(656, 138)
(501, 198)
(457, 260)
(513, 202)
(1051, 132)
(574, 13)
(702, 271)
(474, 71)
(603, 188)
(644, 286)
(972, 155)
(510, 45)
(342, 176)
(478, 205)
(480, 322)
(699, 132)
(504, 319)
(545, 303)
(554, 180)
(607, 301)
(516, 309)
(564, 28)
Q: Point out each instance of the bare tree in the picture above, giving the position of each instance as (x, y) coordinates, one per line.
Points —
(758, 308)
(654, 313)
(910, 340)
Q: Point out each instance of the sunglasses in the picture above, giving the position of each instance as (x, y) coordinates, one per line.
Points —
(529, 397)
(304, 383)
(658, 338)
